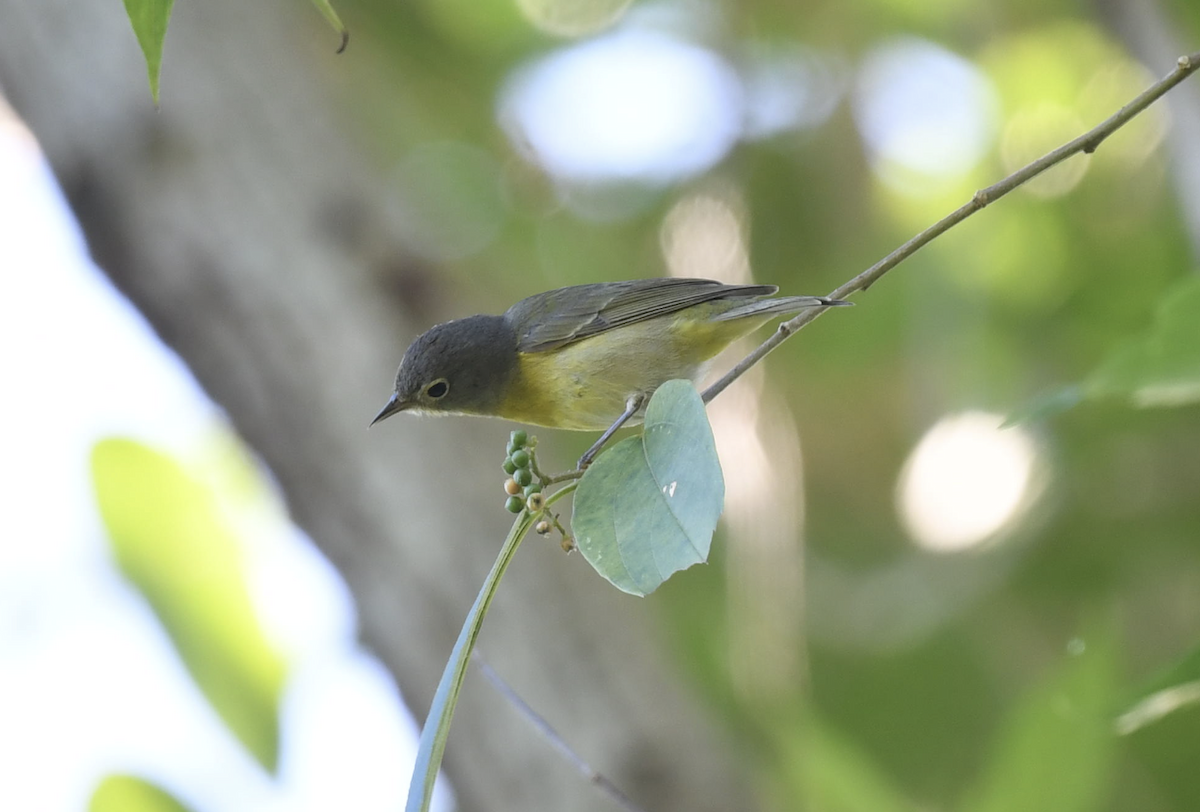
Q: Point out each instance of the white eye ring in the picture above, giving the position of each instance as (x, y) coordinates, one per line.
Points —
(438, 389)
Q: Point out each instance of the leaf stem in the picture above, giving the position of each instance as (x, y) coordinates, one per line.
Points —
(547, 479)
(591, 775)
(563, 477)
(564, 490)
(1086, 143)
(441, 711)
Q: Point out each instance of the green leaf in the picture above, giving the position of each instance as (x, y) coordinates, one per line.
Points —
(1158, 368)
(128, 793)
(839, 776)
(1175, 688)
(1162, 367)
(445, 699)
(1056, 748)
(648, 507)
(332, 18)
(149, 19)
(173, 543)
(1045, 406)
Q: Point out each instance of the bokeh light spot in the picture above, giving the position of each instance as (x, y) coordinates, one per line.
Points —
(790, 87)
(703, 235)
(925, 113)
(965, 481)
(573, 18)
(1031, 133)
(628, 106)
(1110, 87)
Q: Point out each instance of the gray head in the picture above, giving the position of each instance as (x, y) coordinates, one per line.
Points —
(460, 367)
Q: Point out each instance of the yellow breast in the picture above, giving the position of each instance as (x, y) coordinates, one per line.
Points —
(585, 385)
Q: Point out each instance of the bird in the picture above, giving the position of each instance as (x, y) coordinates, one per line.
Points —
(583, 357)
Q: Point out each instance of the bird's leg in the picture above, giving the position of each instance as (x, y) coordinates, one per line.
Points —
(631, 406)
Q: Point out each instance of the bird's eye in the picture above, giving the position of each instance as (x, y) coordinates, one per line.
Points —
(437, 389)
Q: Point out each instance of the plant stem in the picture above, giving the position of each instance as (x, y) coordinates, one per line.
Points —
(592, 776)
(441, 710)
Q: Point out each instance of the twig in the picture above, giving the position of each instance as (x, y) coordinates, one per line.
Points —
(556, 741)
(1087, 143)
(546, 479)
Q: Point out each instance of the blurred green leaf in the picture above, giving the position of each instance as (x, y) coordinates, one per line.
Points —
(172, 542)
(1158, 368)
(1161, 367)
(1164, 755)
(1175, 688)
(128, 793)
(839, 777)
(1045, 405)
(647, 508)
(573, 18)
(149, 19)
(1055, 751)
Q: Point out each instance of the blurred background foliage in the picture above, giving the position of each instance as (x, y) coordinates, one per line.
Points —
(908, 607)
(172, 538)
(127, 793)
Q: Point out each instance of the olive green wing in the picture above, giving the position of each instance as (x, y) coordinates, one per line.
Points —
(555, 318)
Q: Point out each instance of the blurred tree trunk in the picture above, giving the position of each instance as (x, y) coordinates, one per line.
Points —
(1147, 30)
(235, 218)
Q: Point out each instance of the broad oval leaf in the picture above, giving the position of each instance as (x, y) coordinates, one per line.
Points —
(173, 543)
(648, 507)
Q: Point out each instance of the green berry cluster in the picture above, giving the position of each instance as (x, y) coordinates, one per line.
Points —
(520, 486)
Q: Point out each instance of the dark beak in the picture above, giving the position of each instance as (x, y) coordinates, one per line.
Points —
(394, 404)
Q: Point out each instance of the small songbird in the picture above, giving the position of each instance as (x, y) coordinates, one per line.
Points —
(583, 357)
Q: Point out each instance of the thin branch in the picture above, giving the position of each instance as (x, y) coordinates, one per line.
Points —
(1086, 143)
(539, 722)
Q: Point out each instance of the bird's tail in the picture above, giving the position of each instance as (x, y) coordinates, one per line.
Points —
(783, 304)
